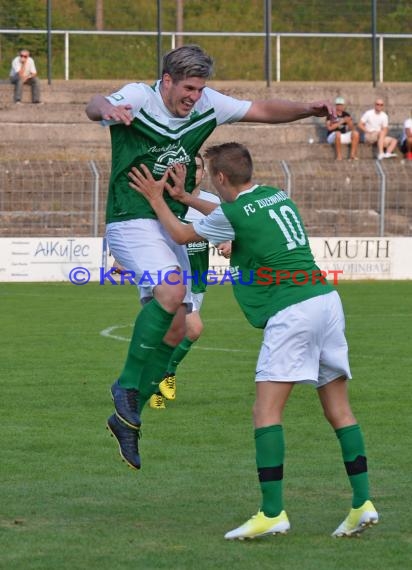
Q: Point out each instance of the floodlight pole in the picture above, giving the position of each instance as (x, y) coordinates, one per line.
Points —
(49, 43)
(159, 38)
(268, 50)
(374, 42)
(179, 22)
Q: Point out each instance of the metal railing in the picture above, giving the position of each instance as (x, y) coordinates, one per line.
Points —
(68, 198)
(276, 36)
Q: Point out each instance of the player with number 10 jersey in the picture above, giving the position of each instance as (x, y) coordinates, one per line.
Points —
(271, 263)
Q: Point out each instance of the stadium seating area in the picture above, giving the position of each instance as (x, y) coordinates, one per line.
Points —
(55, 163)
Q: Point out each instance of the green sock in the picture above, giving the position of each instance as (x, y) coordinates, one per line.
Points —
(153, 373)
(353, 453)
(270, 454)
(151, 326)
(179, 353)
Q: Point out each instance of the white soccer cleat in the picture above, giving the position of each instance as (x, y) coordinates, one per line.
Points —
(357, 521)
(260, 525)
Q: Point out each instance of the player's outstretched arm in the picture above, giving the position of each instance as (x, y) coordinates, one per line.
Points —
(284, 111)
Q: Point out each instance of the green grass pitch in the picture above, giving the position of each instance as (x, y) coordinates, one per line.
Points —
(68, 502)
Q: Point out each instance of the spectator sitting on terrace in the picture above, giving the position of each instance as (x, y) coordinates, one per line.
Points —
(341, 130)
(374, 123)
(23, 71)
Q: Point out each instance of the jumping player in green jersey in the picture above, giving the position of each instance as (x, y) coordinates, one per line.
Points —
(159, 126)
(198, 253)
(281, 290)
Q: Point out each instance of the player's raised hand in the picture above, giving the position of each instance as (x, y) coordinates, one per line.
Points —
(178, 174)
(99, 108)
(322, 109)
(144, 183)
(225, 248)
(120, 114)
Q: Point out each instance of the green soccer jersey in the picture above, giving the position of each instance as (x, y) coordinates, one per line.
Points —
(272, 266)
(158, 139)
(198, 253)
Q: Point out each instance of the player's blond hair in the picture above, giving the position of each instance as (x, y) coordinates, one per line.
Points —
(187, 61)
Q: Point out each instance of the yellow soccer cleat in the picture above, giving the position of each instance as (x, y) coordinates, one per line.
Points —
(357, 521)
(260, 525)
(168, 386)
(156, 402)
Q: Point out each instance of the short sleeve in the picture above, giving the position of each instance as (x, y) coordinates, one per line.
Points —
(131, 94)
(215, 227)
(227, 109)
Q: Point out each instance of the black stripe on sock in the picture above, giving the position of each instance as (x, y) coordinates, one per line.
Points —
(270, 473)
(359, 465)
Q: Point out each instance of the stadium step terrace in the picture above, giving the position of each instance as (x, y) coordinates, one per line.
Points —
(58, 144)
(63, 130)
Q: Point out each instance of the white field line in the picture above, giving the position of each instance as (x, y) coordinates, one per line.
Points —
(110, 332)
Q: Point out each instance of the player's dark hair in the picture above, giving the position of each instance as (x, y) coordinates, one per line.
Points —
(233, 160)
(187, 61)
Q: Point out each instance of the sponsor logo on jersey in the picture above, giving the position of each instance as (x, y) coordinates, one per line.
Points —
(196, 246)
(169, 158)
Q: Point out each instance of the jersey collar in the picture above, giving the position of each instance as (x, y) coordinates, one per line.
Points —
(248, 191)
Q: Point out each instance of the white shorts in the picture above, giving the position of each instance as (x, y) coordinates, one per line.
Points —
(345, 138)
(305, 343)
(144, 247)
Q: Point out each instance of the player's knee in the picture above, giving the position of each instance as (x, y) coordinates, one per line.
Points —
(340, 417)
(194, 331)
(265, 414)
(170, 296)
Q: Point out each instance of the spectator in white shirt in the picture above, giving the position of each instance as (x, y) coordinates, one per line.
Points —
(23, 72)
(374, 123)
